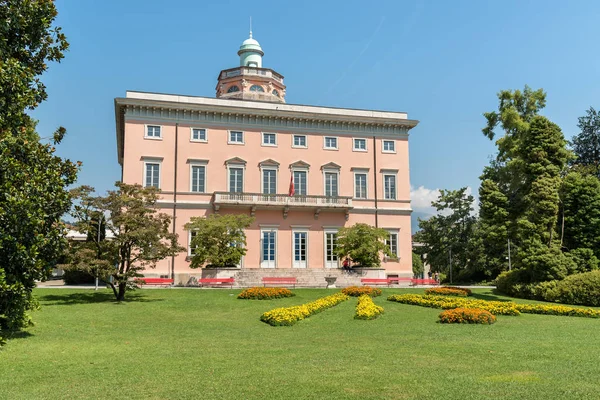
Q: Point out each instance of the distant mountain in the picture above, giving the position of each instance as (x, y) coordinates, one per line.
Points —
(414, 223)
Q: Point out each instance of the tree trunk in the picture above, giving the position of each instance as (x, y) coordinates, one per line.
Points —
(114, 289)
(121, 294)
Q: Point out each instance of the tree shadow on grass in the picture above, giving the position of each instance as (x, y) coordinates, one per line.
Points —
(90, 298)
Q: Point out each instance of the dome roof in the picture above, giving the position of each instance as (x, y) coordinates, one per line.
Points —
(251, 44)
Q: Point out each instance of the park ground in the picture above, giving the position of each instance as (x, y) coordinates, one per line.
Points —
(206, 344)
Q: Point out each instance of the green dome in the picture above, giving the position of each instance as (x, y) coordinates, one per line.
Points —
(249, 45)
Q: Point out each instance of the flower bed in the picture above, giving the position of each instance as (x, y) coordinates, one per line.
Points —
(467, 316)
(356, 291)
(366, 309)
(448, 291)
(446, 302)
(262, 293)
(557, 310)
(494, 307)
(291, 315)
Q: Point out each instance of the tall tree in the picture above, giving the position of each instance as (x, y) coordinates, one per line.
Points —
(446, 236)
(522, 184)
(586, 144)
(363, 245)
(33, 180)
(140, 235)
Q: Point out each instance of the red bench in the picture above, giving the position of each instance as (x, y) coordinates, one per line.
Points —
(375, 281)
(279, 281)
(398, 280)
(155, 281)
(216, 281)
(416, 282)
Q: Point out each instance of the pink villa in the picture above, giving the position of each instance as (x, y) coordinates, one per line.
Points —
(240, 153)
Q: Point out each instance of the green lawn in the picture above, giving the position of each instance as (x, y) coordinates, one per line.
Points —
(206, 344)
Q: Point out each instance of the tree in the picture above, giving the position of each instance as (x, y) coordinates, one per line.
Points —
(521, 186)
(33, 180)
(580, 220)
(218, 241)
(140, 235)
(586, 144)
(445, 236)
(417, 265)
(363, 245)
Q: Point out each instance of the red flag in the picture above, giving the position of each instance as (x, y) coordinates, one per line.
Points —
(292, 190)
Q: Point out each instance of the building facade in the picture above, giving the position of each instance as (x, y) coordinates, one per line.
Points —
(244, 151)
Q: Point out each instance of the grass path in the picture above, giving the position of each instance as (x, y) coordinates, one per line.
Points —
(206, 344)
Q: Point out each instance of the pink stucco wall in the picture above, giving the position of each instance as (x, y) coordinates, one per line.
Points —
(216, 150)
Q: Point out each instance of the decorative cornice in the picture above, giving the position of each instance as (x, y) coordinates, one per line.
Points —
(235, 160)
(331, 165)
(269, 162)
(254, 115)
(299, 164)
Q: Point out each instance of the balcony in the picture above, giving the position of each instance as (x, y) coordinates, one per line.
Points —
(251, 71)
(255, 201)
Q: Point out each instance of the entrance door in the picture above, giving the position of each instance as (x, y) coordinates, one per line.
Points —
(331, 259)
(269, 248)
(300, 249)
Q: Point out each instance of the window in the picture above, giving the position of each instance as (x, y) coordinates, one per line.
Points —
(299, 141)
(236, 137)
(300, 249)
(269, 248)
(392, 243)
(198, 179)
(331, 184)
(330, 143)
(269, 139)
(360, 145)
(191, 250)
(360, 185)
(389, 146)
(269, 185)
(256, 88)
(152, 172)
(389, 187)
(153, 131)
(275, 92)
(233, 89)
(300, 188)
(331, 258)
(198, 135)
(236, 180)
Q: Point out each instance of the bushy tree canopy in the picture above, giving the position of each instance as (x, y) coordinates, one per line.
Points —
(363, 245)
(218, 240)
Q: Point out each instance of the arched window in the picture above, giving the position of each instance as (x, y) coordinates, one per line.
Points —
(275, 92)
(256, 88)
(233, 89)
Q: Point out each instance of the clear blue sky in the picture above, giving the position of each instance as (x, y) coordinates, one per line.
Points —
(441, 61)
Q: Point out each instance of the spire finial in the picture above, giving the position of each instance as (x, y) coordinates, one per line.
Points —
(250, 26)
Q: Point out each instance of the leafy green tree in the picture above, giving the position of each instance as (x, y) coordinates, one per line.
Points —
(219, 240)
(363, 245)
(33, 180)
(522, 185)
(417, 265)
(580, 195)
(140, 235)
(586, 144)
(446, 236)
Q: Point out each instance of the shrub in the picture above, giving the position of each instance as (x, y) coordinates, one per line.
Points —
(263, 293)
(291, 315)
(446, 302)
(76, 277)
(467, 316)
(356, 291)
(449, 291)
(581, 289)
(366, 309)
(557, 310)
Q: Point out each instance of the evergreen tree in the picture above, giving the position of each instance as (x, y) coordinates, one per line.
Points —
(586, 144)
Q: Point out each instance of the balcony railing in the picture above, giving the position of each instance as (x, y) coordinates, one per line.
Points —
(252, 71)
(260, 199)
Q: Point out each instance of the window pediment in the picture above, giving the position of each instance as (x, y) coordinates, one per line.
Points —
(235, 160)
(269, 162)
(300, 164)
(331, 165)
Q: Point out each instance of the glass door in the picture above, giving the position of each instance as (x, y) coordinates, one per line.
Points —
(300, 249)
(331, 259)
(269, 248)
